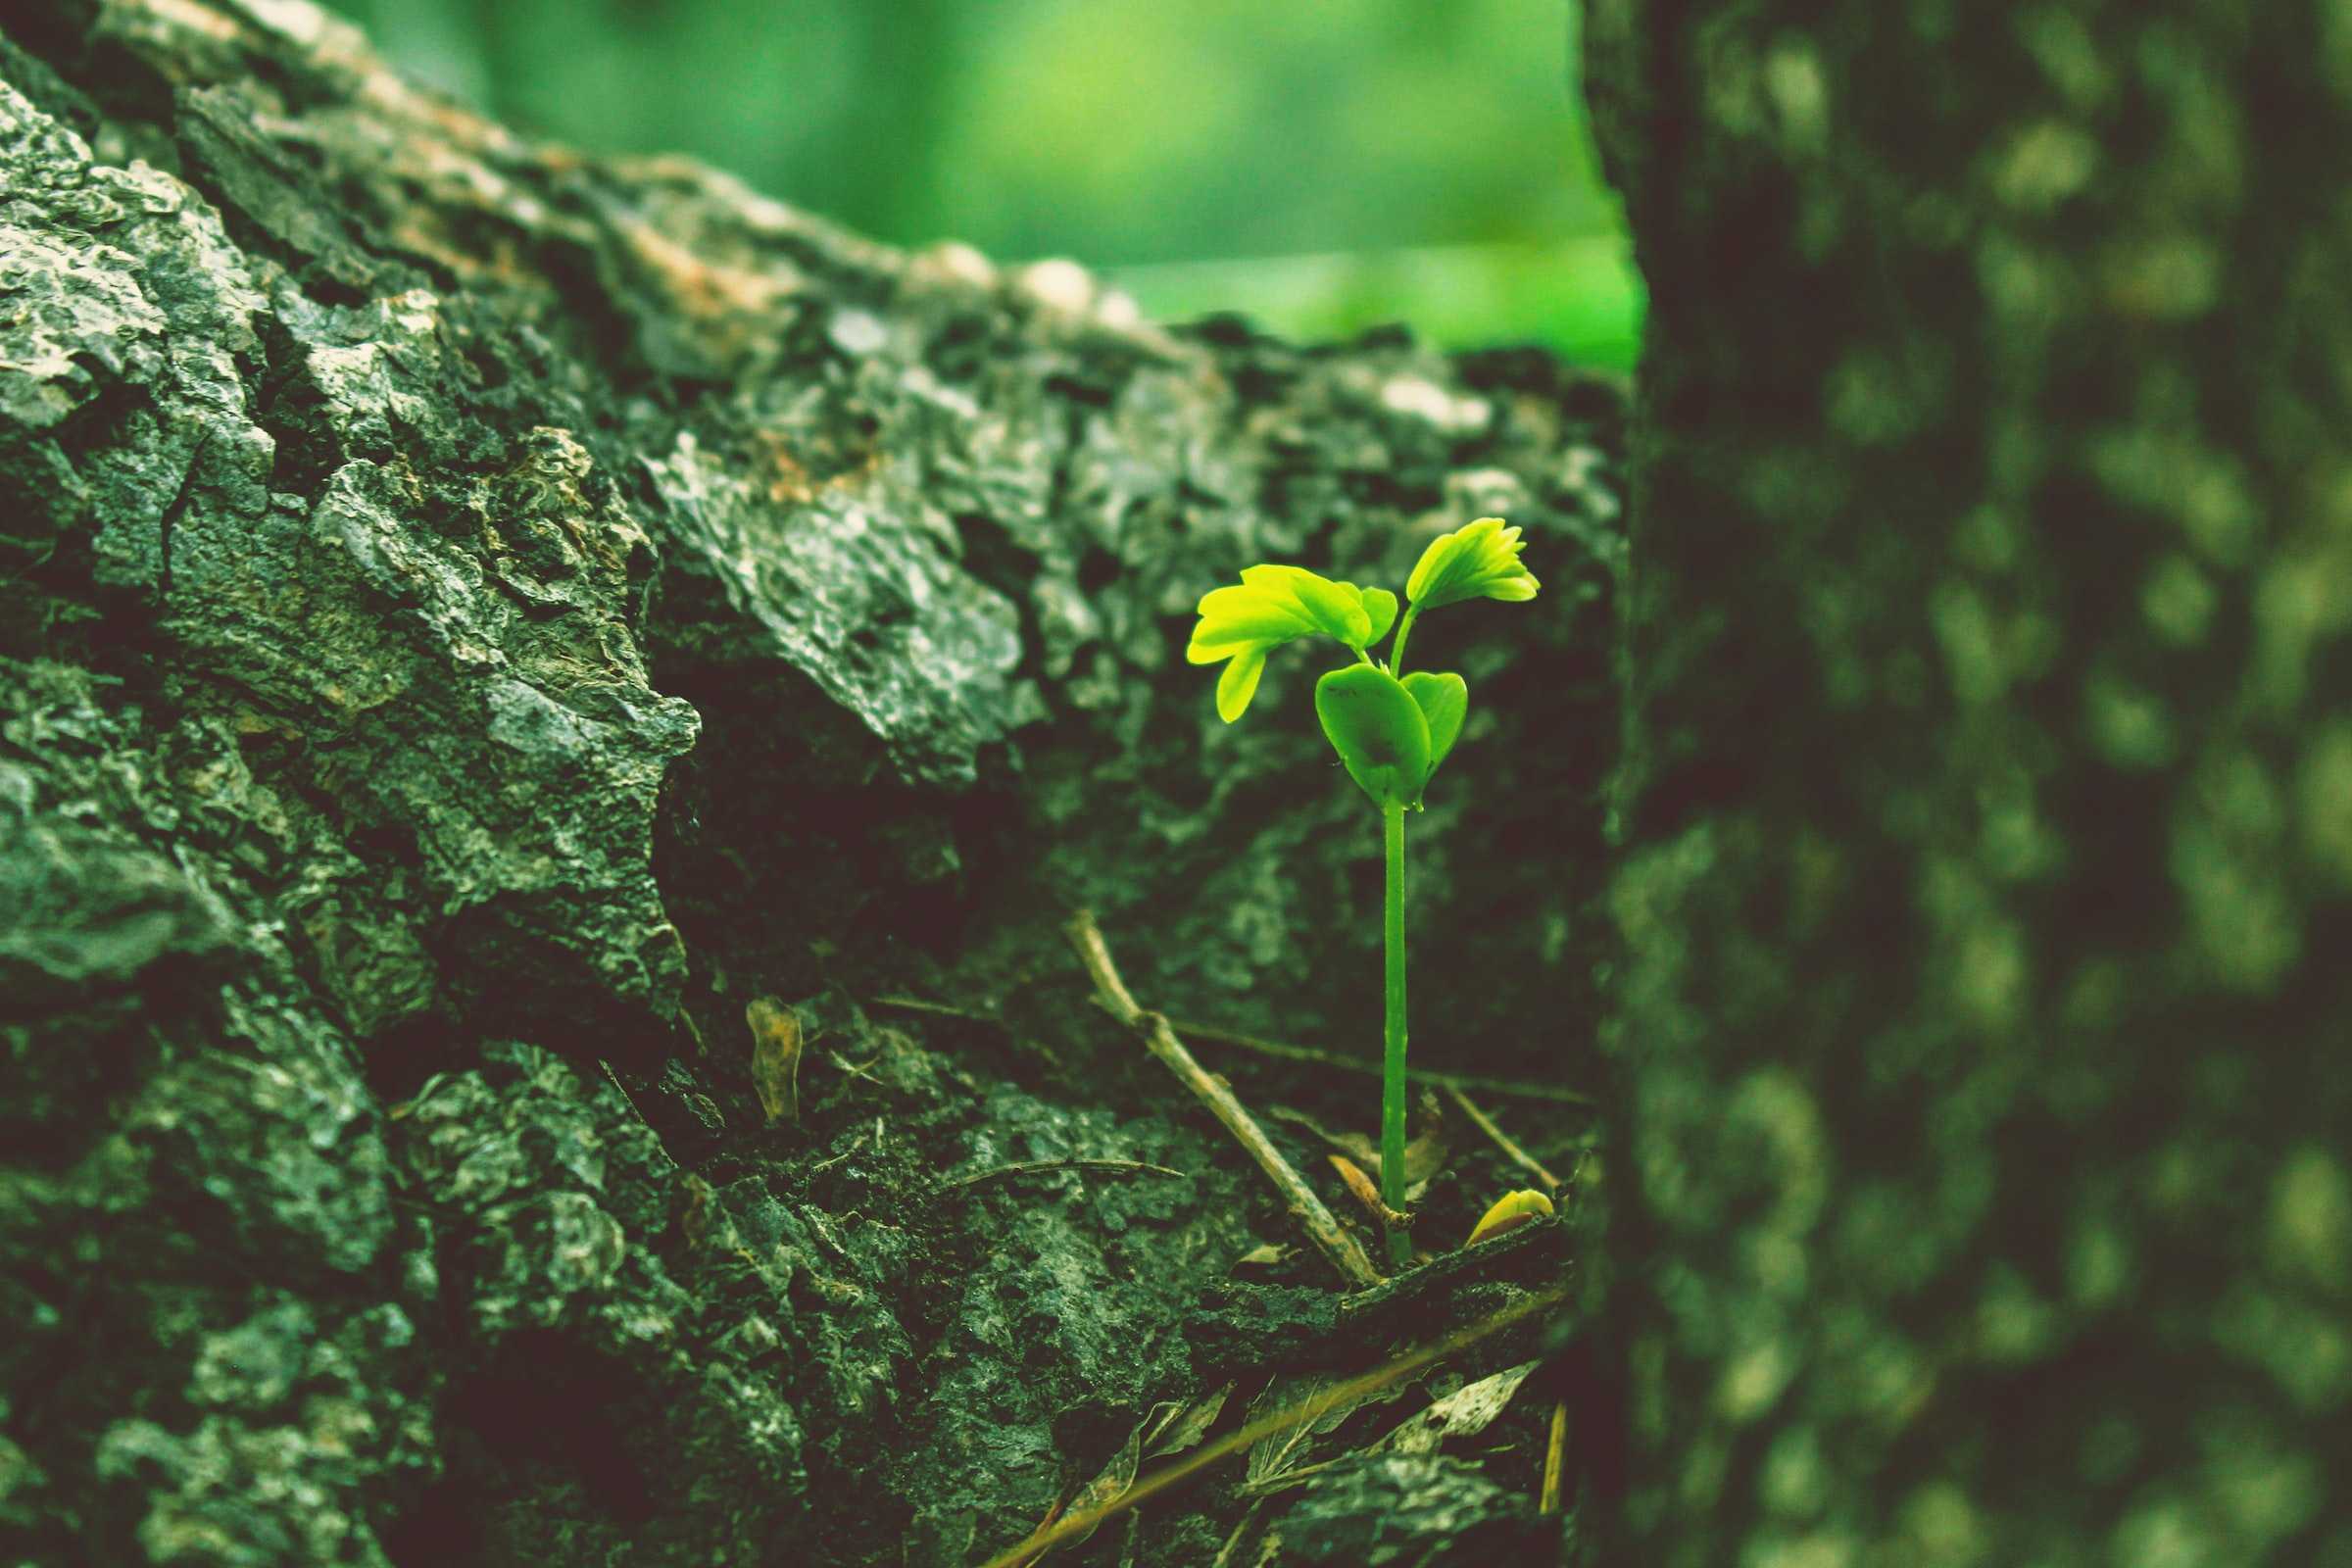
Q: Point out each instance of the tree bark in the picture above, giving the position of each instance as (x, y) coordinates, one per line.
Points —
(1989, 829)
(473, 619)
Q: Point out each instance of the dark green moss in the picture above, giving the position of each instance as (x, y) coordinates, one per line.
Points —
(470, 620)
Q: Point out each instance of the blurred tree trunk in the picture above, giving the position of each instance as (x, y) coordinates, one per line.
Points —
(1987, 883)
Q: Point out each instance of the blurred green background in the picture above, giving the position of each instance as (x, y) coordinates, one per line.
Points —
(1322, 166)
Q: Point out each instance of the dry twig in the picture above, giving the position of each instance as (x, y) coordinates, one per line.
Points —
(822, 1165)
(1233, 1541)
(1553, 1450)
(1022, 1167)
(936, 1010)
(1503, 1141)
(1366, 1192)
(1288, 1052)
(1280, 1050)
(1334, 1241)
(1352, 1391)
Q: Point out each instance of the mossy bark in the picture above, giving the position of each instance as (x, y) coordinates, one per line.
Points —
(476, 622)
(1985, 1192)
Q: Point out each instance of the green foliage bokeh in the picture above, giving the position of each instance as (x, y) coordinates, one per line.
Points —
(1323, 168)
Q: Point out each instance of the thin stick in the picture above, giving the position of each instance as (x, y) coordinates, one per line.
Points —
(1334, 1241)
(1022, 1559)
(1282, 1050)
(936, 1010)
(1284, 1481)
(1503, 1141)
(1361, 1189)
(1351, 1391)
(1289, 1051)
(1550, 1500)
(1248, 1517)
(1022, 1167)
(827, 1164)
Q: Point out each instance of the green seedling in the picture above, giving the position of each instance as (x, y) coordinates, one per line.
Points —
(1392, 730)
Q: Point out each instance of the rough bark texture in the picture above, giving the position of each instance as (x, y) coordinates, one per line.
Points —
(1988, 875)
(472, 618)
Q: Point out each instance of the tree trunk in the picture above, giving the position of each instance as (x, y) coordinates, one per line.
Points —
(497, 649)
(1988, 881)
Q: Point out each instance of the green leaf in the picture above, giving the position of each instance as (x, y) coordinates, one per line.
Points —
(1272, 606)
(1379, 608)
(1477, 560)
(1238, 683)
(1233, 619)
(1443, 700)
(1334, 608)
(1377, 729)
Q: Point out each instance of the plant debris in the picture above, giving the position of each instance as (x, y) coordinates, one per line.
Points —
(775, 1057)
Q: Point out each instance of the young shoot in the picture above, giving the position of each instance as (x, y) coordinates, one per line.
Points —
(1391, 729)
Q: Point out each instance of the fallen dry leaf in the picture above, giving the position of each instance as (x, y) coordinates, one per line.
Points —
(1182, 1425)
(1368, 1193)
(775, 1057)
(1469, 1409)
(1511, 1212)
(1279, 1456)
(1171, 1426)
(1423, 1154)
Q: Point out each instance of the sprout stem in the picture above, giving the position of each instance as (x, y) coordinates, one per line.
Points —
(1392, 1078)
(1404, 629)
